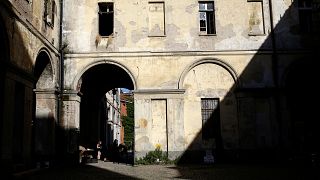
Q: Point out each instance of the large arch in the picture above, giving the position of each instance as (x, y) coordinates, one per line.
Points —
(219, 62)
(93, 83)
(210, 108)
(76, 84)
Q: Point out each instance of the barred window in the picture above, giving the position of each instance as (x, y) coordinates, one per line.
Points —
(210, 113)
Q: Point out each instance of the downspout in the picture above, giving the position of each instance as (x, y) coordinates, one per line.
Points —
(275, 72)
(61, 48)
(61, 83)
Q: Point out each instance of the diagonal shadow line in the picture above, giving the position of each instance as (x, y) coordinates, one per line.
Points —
(294, 58)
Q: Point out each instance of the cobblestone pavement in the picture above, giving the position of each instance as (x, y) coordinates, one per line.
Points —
(109, 170)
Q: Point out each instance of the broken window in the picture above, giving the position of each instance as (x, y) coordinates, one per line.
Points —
(156, 19)
(256, 20)
(210, 113)
(106, 19)
(207, 18)
(305, 15)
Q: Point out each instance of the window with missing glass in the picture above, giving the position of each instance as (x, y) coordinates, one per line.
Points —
(207, 17)
(305, 15)
(106, 19)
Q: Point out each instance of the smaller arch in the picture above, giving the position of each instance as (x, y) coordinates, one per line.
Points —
(77, 78)
(211, 61)
(43, 70)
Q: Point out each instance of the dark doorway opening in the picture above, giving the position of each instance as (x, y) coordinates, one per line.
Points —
(100, 107)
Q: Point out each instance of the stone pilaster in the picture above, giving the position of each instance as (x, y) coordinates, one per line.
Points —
(69, 126)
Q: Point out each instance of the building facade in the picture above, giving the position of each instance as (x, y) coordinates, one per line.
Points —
(235, 78)
(29, 67)
(205, 74)
(114, 119)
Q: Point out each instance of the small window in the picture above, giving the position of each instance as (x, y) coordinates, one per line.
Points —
(106, 19)
(305, 15)
(207, 18)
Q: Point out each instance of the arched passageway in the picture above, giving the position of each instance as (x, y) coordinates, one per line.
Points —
(97, 122)
(302, 97)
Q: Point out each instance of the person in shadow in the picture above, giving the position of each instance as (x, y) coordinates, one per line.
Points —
(99, 150)
(115, 152)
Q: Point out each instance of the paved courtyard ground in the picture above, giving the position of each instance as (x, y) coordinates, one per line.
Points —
(109, 170)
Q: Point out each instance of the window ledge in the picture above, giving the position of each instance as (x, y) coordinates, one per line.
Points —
(157, 36)
(107, 36)
(256, 34)
(207, 34)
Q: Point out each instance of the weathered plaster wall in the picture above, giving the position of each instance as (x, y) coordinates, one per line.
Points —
(167, 68)
(131, 23)
(209, 81)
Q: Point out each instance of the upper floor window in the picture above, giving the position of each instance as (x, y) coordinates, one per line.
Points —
(207, 18)
(49, 12)
(156, 18)
(256, 19)
(106, 19)
(305, 15)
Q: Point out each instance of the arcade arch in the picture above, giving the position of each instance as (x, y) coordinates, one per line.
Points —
(210, 96)
(95, 81)
(45, 107)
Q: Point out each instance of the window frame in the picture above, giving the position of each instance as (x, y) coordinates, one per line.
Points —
(207, 12)
(100, 4)
(307, 19)
(263, 33)
(164, 18)
(209, 129)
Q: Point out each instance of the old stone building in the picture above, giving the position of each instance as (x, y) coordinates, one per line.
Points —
(29, 62)
(205, 74)
(235, 77)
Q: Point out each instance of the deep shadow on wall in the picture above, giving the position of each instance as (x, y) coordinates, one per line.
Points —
(276, 122)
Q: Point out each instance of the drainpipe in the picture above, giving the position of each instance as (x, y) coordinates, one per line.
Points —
(275, 72)
(61, 83)
(61, 51)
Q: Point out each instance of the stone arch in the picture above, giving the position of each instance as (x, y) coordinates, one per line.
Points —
(44, 106)
(43, 70)
(209, 61)
(210, 83)
(76, 84)
(94, 85)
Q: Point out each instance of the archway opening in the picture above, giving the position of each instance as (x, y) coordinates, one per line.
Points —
(302, 97)
(102, 89)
